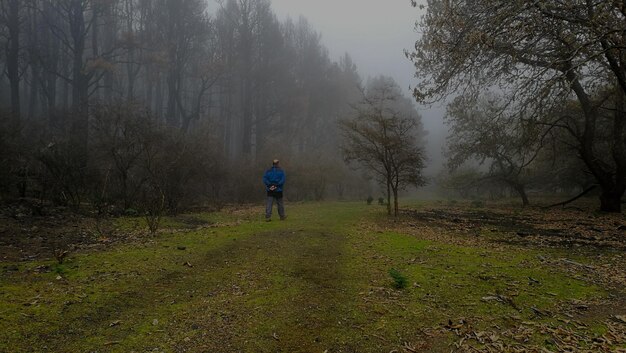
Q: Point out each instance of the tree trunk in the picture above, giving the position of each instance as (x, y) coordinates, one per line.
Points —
(109, 41)
(130, 67)
(246, 116)
(33, 100)
(611, 197)
(80, 81)
(389, 195)
(35, 69)
(611, 200)
(521, 191)
(611, 181)
(172, 90)
(95, 43)
(13, 52)
(65, 93)
(396, 210)
(158, 101)
(148, 86)
(50, 68)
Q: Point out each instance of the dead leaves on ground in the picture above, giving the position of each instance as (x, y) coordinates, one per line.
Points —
(593, 243)
(538, 337)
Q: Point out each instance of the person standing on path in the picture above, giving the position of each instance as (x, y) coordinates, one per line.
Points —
(274, 180)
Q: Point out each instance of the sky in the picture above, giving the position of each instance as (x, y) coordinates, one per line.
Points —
(375, 33)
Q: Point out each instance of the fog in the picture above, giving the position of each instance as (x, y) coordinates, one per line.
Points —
(131, 103)
(138, 104)
(376, 34)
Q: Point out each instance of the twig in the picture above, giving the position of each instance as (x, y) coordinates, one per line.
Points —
(570, 262)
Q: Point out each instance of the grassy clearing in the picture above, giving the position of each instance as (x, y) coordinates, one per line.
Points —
(319, 281)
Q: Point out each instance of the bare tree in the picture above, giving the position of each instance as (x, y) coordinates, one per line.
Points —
(12, 19)
(382, 137)
(106, 74)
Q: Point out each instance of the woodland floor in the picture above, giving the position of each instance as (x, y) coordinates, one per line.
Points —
(494, 278)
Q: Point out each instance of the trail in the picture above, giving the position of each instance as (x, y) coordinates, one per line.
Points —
(317, 282)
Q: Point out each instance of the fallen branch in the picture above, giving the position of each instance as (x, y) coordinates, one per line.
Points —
(570, 262)
(585, 192)
(564, 203)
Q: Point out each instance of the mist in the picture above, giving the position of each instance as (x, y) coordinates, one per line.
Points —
(376, 34)
(193, 98)
(312, 176)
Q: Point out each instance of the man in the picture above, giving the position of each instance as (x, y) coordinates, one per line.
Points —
(274, 180)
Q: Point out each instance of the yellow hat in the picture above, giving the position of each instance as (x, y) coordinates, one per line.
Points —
(276, 161)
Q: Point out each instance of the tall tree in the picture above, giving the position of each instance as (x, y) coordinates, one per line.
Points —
(541, 52)
(11, 13)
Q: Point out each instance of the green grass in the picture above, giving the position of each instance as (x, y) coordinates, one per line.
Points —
(319, 281)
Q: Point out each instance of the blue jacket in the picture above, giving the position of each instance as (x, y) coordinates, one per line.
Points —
(274, 176)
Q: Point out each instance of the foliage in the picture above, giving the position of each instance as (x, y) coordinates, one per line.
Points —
(541, 55)
(384, 137)
(486, 131)
(399, 280)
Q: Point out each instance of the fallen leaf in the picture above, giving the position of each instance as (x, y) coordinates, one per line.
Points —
(620, 318)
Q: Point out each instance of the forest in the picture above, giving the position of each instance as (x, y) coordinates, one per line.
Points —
(121, 104)
(466, 197)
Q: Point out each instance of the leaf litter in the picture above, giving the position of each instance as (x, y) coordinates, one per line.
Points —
(593, 246)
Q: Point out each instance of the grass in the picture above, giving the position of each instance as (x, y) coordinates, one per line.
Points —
(319, 281)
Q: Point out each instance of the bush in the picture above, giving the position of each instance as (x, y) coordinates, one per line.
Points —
(153, 205)
(66, 173)
(370, 200)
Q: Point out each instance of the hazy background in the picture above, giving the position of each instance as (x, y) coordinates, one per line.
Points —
(375, 33)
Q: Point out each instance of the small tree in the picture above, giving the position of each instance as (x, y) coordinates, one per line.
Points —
(382, 137)
(153, 206)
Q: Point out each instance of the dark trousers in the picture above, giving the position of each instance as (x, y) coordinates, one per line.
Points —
(269, 203)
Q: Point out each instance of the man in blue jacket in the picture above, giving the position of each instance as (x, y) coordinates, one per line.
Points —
(274, 180)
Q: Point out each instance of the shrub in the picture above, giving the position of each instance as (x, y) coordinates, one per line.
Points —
(399, 280)
(153, 205)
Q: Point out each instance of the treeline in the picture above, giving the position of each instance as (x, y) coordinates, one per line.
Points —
(116, 101)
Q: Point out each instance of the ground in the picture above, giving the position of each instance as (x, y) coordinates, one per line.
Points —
(465, 278)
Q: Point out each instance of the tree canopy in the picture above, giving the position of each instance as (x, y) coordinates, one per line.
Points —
(540, 54)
